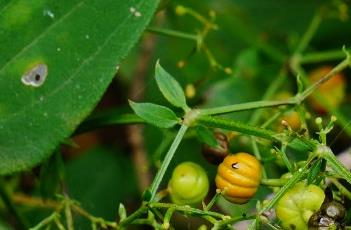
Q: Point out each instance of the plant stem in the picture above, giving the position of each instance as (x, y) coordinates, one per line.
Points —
(245, 106)
(272, 89)
(21, 223)
(173, 33)
(341, 188)
(285, 158)
(142, 210)
(257, 114)
(292, 101)
(112, 118)
(238, 126)
(166, 141)
(342, 65)
(334, 163)
(186, 209)
(274, 182)
(161, 172)
(341, 119)
(219, 225)
(258, 155)
(46, 221)
(321, 56)
(68, 214)
(94, 219)
(212, 201)
(297, 176)
(311, 30)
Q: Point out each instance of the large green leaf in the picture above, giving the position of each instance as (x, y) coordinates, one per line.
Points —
(80, 43)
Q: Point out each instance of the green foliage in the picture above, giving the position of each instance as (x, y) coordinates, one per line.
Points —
(234, 58)
(206, 136)
(157, 115)
(170, 88)
(80, 62)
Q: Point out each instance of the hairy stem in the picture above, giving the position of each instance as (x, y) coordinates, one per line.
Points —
(173, 33)
(238, 126)
(169, 155)
(321, 56)
(245, 106)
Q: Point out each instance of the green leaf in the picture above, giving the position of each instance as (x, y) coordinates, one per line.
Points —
(122, 212)
(74, 47)
(314, 171)
(157, 115)
(206, 136)
(170, 88)
(147, 195)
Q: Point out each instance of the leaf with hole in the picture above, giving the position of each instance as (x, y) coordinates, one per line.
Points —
(57, 59)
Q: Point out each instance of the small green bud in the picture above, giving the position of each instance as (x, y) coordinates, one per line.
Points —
(180, 10)
(318, 120)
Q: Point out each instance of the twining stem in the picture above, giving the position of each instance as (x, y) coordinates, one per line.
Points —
(169, 155)
(173, 33)
(238, 126)
(321, 56)
(272, 89)
(212, 201)
(221, 224)
(334, 163)
(246, 106)
(68, 214)
(187, 210)
(257, 154)
(215, 122)
(341, 119)
(292, 101)
(107, 119)
(311, 30)
(341, 187)
(274, 182)
(46, 221)
(342, 65)
(257, 114)
(141, 211)
(58, 206)
(282, 153)
(297, 176)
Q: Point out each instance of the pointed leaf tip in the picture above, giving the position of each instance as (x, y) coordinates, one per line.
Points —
(154, 114)
(170, 88)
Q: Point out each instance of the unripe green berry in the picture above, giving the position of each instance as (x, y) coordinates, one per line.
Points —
(189, 184)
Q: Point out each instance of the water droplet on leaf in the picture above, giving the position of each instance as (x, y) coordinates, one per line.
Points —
(48, 13)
